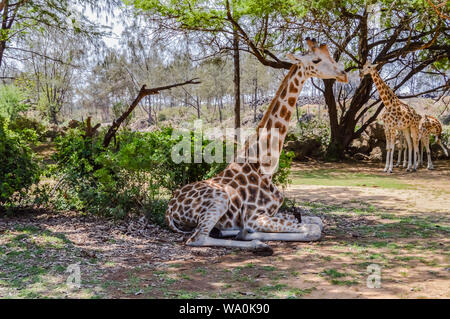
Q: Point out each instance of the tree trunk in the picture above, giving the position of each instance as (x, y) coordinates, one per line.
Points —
(2, 50)
(237, 80)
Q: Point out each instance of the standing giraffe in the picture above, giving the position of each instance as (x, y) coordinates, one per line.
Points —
(242, 200)
(398, 116)
(429, 125)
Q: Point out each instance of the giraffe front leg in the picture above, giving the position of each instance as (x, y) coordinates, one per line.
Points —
(266, 228)
(391, 153)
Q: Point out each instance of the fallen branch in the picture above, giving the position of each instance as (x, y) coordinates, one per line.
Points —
(143, 92)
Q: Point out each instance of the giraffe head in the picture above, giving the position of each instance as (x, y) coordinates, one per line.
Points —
(368, 68)
(319, 63)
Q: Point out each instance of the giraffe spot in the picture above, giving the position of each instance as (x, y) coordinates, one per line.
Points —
(186, 188)
(269, 124)
(276, 107)
(292, 88)
(188, 201)
(240, 179)
(236, 201)
(253, 178)
(263, 199)
(296, 80)
(252, 192)
(283, 110)
(228, 173)
(291, 101)
(192, 193)
(246, 169)
(288, 116)
(300, 74)
(242, 193)
(234, 184)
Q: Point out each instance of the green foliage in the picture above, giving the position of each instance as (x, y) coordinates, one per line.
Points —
(18, 171)
(29, 130)
(281, 177)
(11, 102)
(137, 177)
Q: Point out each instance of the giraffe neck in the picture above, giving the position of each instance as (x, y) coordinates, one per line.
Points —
(386, 94)
(281, 108)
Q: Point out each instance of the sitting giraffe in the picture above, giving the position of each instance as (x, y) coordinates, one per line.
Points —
(242, 200)
(429, 125)
(398, 116)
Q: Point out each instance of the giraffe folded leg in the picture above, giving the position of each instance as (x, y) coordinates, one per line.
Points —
(209, 219)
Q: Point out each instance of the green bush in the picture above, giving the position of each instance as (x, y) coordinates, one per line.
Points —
(18, 171)
(29, 130)
(138, 176)
(133, 178)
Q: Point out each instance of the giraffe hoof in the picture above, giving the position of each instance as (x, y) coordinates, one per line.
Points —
(430, 168)
(262, 249)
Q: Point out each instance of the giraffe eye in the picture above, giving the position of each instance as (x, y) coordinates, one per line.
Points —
(316, 61)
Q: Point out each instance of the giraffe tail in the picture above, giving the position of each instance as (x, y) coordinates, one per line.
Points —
(439, 141)
(172, 225)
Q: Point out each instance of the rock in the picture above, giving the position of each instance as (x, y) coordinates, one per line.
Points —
(361, 157)
(360, 145)
(304, 149)
(376, 154)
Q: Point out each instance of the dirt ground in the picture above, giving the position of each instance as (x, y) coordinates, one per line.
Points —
(398, 224)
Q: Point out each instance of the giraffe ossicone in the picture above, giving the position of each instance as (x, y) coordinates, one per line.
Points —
(242, 200)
